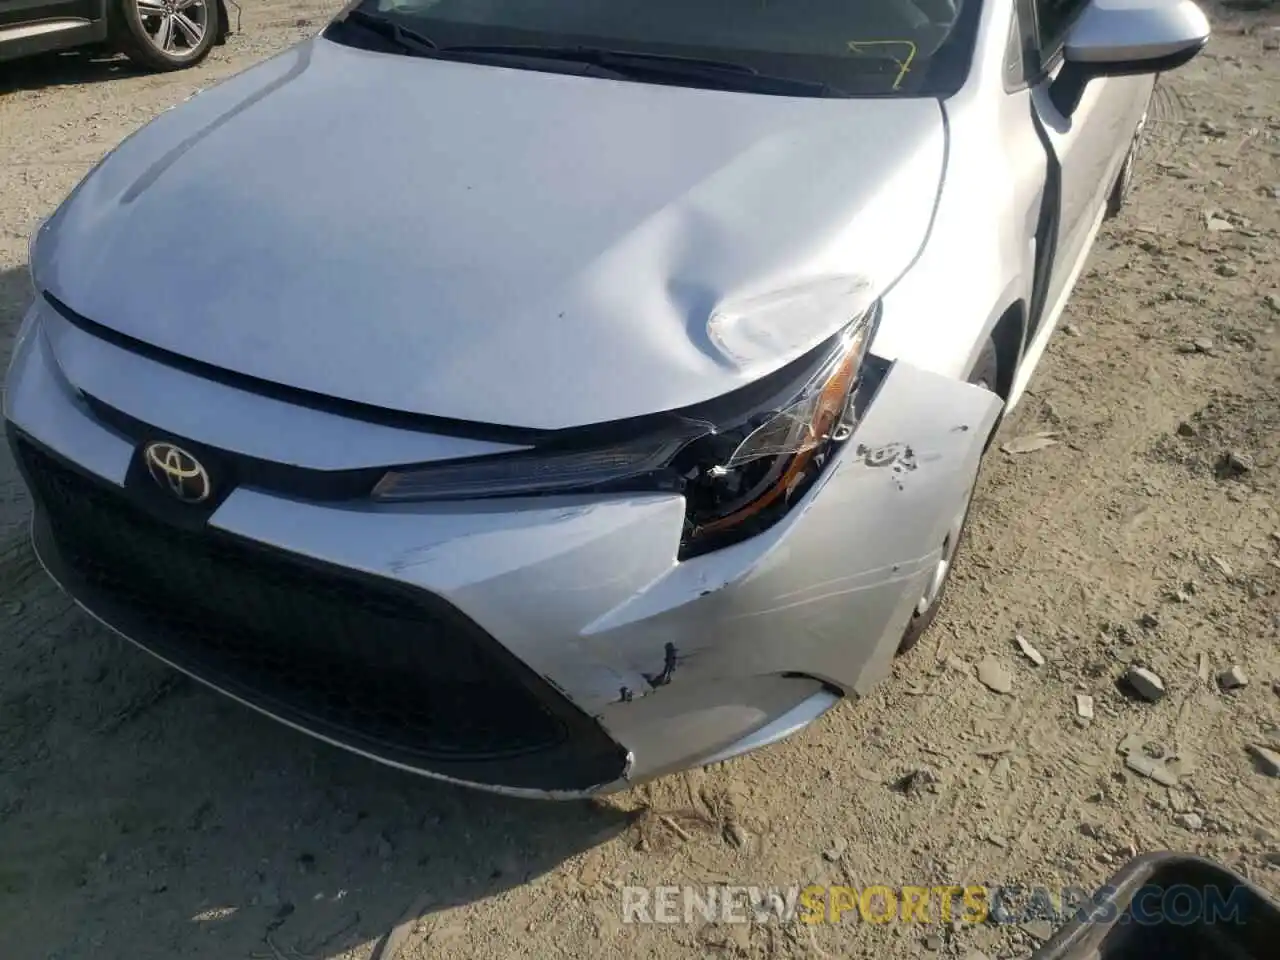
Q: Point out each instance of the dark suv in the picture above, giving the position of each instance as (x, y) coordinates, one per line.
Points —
(156, 34)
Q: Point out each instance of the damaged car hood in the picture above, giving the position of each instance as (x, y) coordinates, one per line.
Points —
(494, 245)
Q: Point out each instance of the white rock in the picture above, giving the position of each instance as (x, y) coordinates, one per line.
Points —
(836, 850)
(1267, 758)
(1233, 678)
(1189, 821)
(995, 675)
(1032, 654)
(1145, 683)
(1030, 443)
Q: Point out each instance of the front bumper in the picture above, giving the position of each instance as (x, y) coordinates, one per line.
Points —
(562, 647)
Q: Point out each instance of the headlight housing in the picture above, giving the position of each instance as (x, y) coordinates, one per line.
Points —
(745, 476)
(739, 470)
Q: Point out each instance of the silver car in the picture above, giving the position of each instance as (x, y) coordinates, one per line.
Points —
(545, 396)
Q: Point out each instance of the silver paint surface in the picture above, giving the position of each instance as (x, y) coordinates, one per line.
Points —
(487, 244)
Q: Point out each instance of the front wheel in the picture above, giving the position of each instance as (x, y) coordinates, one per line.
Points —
(165, 34)
(985, 374)
(1124, 182)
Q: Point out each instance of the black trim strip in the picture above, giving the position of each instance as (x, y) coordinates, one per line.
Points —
(721, 411)
(352, 409)
(233, 469)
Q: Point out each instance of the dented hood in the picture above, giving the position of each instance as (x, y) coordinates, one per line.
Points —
(495, 245)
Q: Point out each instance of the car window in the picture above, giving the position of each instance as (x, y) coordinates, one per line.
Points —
(876, 47)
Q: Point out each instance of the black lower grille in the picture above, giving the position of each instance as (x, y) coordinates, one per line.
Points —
(394, 672)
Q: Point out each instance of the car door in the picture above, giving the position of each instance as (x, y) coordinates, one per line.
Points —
(25, 12)
(1090, 145)
(35, 26)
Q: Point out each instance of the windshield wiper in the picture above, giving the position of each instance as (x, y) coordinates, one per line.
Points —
(601, 56)
(656, 66)
(409, 41)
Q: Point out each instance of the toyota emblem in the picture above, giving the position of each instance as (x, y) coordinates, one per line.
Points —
(178, 472)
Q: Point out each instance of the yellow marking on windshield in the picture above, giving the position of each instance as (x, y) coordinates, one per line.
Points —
(904, 66)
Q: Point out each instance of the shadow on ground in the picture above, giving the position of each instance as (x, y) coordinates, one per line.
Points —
(65, 68)
(143, 816)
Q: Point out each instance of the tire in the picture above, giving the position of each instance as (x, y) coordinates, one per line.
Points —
(985, 374)
(164, 35)
(1124, 182)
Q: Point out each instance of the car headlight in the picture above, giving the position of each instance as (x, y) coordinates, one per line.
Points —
(744, 477)
(739, 471)
(534, 472)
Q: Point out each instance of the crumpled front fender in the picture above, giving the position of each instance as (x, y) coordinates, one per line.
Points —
(815, 593)
(825, 594)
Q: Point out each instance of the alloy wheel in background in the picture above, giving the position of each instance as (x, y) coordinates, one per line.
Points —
(174, 27)
(166, 34)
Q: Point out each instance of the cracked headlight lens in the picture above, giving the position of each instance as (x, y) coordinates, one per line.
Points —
(741, 480)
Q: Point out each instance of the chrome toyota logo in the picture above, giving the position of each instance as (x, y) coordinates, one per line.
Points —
(178, 472)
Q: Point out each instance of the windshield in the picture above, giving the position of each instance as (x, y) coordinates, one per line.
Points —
(855, 47)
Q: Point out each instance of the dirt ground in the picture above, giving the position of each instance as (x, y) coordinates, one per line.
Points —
(141, 816)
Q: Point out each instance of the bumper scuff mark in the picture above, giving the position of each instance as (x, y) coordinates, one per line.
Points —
(900, 456)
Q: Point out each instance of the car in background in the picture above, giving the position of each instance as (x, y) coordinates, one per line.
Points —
(155, 34)
(546, 396)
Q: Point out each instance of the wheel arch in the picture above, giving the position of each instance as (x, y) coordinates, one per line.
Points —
(224, 23)
(1007, 325)
(1009, 334)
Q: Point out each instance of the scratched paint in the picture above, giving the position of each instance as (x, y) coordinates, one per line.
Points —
(900, 456)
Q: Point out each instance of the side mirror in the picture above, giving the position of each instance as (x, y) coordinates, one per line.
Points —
(1122, 38)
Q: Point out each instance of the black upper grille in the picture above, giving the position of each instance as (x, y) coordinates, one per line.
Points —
(395, 672)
